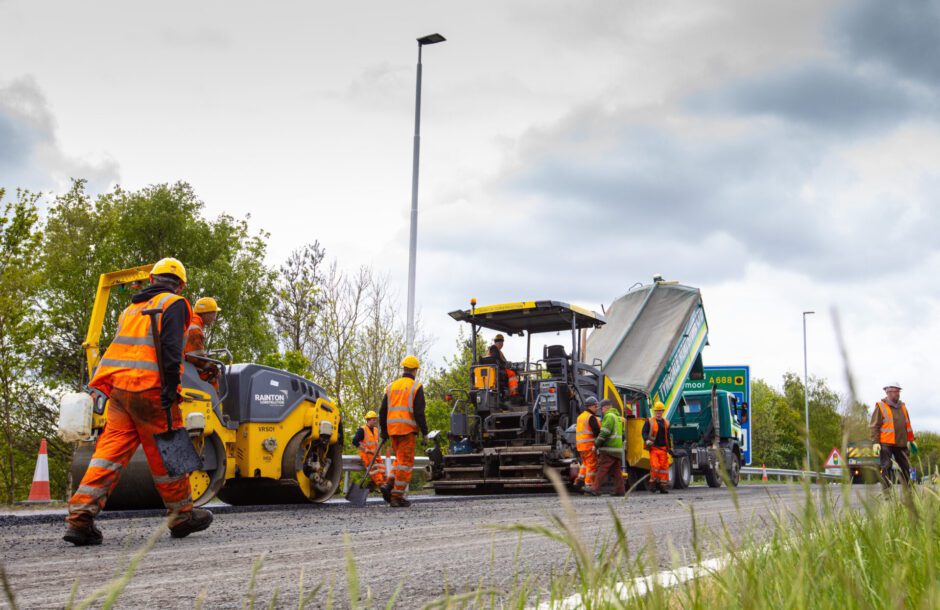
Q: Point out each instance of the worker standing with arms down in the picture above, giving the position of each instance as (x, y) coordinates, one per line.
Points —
(138, 393)
(366, 440)
(402, 418)
(656, 435)
(586, 430)
(609, 444)
(206, 313)
(892, 435)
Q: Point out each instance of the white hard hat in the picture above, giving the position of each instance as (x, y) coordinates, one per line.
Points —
(893, 384)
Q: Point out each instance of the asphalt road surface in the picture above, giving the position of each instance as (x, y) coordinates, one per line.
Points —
(438, 546)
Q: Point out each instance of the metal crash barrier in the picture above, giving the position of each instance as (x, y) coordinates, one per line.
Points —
(352, 463)
(780, 473)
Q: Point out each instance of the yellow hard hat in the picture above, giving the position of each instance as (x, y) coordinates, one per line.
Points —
(498, 338)
(170, 266)
(371, 415)
(206, 305)
(659, 406)
(410, 362)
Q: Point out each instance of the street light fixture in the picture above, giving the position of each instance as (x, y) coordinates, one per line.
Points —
(413, 236)
(806, 386)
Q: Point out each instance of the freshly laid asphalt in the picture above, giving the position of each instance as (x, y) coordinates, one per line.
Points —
(440, 545)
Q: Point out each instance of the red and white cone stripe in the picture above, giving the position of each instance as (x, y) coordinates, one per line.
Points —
(39, 491)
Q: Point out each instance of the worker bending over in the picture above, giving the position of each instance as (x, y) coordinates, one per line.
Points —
(586, 431)
(656, 435)
(402, 418)
(206, 313)
(366, 440)
(892, 435)
(609, 444)
(138, 392)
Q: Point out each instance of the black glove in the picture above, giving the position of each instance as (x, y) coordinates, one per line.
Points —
(671, 452)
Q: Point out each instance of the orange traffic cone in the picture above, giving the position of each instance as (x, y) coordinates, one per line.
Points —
(763, 473)
(39, 492)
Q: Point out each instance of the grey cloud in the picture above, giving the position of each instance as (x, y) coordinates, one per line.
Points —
(688, 203)
(827, 96)
(30, 155)
(901, 35)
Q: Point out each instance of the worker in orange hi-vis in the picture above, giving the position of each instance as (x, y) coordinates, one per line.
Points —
(656, 437)
(586, 430)
(496, 351)
(892, 436)
(139, 393)
(206, 312)
(402, 419)
(366, 440)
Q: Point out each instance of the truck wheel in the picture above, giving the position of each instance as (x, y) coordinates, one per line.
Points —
(712, 477)
(734, 471)
(682, 472)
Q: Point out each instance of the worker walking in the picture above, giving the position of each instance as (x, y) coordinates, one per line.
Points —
(402, 418)
(366, 440)
(609, 445)
(586, 430)
(656, 436)
(138, 392)
(892, 435)
(206, 312)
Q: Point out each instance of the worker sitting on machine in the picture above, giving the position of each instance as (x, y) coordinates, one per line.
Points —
(206, 312)
(366, 440)
(505, 372)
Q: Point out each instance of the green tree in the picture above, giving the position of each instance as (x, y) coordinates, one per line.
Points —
(26, 410)
(776, 433)
(825, 421)
(122, 229)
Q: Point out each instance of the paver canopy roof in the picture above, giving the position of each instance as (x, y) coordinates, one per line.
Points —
(529, 316)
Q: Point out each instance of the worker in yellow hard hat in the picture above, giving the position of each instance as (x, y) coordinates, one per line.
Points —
(402, 419)
(206, 312)
(656, 437)
(142, 386)
(366, 440)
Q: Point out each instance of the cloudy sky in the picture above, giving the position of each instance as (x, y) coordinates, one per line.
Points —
(781, 156)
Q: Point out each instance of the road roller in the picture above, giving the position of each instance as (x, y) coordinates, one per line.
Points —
(266, 436)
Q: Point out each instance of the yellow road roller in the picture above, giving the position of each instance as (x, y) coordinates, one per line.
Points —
(265, 437)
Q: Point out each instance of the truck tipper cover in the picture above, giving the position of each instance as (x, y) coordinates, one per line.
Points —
(653, 337)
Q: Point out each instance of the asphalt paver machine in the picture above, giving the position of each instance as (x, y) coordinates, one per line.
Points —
(504, 436)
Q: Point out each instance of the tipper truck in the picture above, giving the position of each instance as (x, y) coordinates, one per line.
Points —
(652, 343)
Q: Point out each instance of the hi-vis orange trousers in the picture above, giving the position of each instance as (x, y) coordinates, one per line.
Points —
(404, 447)
(133, 418)
(377, 473)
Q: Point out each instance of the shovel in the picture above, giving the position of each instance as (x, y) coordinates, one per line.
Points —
(359, 493)
(177, 451)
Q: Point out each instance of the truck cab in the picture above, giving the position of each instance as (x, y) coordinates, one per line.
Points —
(693, 431)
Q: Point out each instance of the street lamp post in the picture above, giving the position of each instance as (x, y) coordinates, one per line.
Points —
(413, 236)
(806, 386)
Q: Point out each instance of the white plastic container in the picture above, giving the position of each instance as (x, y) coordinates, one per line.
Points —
(75, 412)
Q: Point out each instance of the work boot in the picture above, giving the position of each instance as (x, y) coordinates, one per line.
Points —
(387, 491)
(662, 488)
(199, 519)
(589, 491)
(83, 535)
(399, 502)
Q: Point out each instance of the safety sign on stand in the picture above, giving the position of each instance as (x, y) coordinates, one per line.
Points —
(834, 460)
